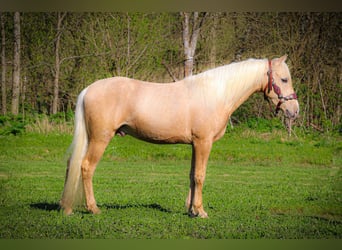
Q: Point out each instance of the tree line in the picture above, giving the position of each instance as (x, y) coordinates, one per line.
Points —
(48, 58)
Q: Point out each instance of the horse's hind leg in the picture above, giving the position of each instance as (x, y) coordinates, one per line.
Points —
(89, 163)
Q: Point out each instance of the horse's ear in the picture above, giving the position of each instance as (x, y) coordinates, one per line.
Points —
(283, 58)
(280, 60)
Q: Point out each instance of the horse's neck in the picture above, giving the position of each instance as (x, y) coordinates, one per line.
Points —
(227, 87)
(243, 80)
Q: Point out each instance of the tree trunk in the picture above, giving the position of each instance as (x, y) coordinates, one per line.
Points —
(16, 65)
(60, 18)
(190, 38)
(213, 40)
(3, 66)
(128, 44)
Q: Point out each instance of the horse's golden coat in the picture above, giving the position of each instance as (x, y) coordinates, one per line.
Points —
(194, 111)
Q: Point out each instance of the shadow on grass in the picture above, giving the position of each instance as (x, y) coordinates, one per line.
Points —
(46, 206)
(151, 206)
(56, 207)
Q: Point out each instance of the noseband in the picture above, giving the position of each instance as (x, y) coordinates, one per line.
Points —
(271, 84)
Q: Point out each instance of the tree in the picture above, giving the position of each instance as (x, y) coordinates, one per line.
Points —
(16, 65)
(190, 37)
(59, 55)
(3, 65)
(60, 18)
(213, 50)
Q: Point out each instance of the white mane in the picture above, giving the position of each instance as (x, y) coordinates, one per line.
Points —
(232, 79)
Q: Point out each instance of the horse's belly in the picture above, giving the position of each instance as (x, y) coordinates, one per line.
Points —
(157, 132)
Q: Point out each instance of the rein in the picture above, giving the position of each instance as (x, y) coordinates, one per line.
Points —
(271, 84)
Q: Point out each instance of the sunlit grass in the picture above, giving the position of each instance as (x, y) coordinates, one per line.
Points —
(257, 186)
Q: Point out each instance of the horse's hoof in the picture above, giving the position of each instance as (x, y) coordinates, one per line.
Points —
(67, 211)
(94, 210)
(200, 214)
(203, 215)
(97, 211)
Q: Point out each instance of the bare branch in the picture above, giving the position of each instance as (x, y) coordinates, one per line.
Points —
(175, 79)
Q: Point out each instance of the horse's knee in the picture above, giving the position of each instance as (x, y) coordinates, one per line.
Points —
(199, 179)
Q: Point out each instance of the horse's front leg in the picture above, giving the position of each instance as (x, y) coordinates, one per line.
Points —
(200, 155)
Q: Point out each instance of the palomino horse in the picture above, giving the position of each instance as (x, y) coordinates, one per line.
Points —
(192, 111)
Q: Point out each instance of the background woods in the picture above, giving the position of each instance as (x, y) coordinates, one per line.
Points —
(47, 58)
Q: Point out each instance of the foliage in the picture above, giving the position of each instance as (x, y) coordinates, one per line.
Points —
(11, 125)
(39, 123)
(264, 125)
(148, 46)
(60, 123)
(258, 185)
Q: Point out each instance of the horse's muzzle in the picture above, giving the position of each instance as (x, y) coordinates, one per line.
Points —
(291, 109)
(291, 115)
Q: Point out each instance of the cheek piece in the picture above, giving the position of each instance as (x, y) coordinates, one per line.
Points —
(272, 85)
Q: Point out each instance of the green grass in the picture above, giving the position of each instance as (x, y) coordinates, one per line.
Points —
(258, 185)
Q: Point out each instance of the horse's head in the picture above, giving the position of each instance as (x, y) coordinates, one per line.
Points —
(279, 89)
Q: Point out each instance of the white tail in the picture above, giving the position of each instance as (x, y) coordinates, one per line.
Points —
(73, 193)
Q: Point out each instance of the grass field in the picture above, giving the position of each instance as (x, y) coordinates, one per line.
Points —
(258, 185)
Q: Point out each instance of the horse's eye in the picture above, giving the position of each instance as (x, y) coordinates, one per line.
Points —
(284, 80)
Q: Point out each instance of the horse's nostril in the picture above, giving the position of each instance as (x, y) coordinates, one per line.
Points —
(296, 113)
(288, 113)
(291, 115)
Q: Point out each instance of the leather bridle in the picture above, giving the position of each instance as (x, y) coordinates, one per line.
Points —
(272, 85)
